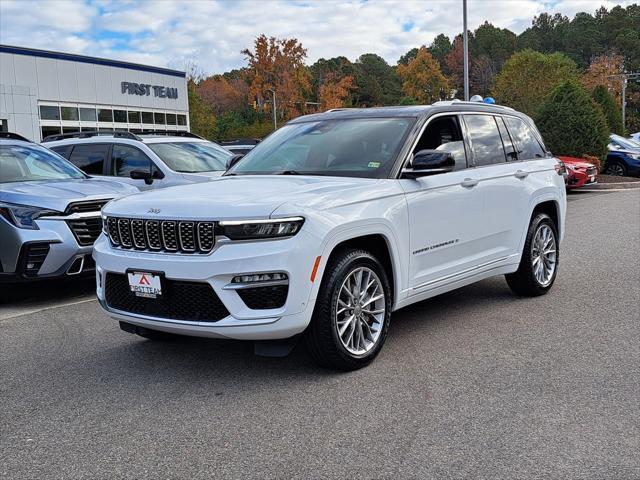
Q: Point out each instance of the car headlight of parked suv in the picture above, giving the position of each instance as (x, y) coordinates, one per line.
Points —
(258, 229)
(24, 216)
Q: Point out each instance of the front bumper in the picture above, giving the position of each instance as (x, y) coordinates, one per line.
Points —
(294, 256)
(53, 243)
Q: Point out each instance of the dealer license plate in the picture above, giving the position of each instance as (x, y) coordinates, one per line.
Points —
(144, 284)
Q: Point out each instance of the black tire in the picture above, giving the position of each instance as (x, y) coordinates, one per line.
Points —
(616, 168)
(321, 337)
(146, 332)
(524, 282)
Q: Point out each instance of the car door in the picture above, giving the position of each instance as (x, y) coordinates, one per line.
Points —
(445, 212)
(127, 158)
(502, 185)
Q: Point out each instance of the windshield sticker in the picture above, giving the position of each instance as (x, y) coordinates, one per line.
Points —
(374, 165)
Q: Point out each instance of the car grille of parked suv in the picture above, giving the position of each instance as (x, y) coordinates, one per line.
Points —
(189, 301)
(161, 235)
(86, 230)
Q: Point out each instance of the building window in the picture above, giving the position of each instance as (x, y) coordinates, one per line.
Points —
(171, 118)
(105, 115)
(134, 117)
(159, 118)
(182, 120)
(120, 116)
(88, 115)
(69, 113)
(147, 117)
(46, 131)
(49, 113)
(70, 129)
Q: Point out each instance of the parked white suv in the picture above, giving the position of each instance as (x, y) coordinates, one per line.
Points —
(147, 160)
(333, 222)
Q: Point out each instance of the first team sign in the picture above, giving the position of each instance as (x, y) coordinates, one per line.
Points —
(146, 89)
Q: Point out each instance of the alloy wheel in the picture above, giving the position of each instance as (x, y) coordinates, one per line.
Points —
(544, 255)
(360, 311)
(615, 169)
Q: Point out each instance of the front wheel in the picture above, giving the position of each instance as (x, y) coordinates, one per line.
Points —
(539, 264)
(351, 316)
(616, 169)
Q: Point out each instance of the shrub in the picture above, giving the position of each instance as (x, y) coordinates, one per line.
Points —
(572, 123)
(611, 111)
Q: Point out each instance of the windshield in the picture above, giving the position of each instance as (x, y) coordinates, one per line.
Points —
(360, 147)
(192, 157)
(625, 142)
(28, 163)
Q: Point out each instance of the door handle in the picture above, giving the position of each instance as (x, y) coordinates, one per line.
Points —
(469, 183)
(521, 174)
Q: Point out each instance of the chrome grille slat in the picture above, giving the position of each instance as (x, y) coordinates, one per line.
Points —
(163, 236)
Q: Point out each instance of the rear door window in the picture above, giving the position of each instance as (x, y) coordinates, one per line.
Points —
(90, 158)
(527, 145)
(486, 143)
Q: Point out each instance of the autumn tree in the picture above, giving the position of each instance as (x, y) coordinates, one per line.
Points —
(223, 95)
(600, 71)
(278, 65)
(201, 117)
(422, 78)
(482, 75)
(528, 77)
(334, 91)
(454, 61)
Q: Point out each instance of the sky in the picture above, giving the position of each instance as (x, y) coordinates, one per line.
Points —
(211, 33)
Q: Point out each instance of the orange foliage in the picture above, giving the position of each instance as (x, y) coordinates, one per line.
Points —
(278, 64)
(422, 78)
(600, 69)
(334, 91)
(222, 94)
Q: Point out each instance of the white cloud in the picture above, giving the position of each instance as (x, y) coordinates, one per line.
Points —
(213, 32)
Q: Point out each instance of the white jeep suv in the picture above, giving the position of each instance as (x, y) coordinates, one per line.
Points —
(333, 222)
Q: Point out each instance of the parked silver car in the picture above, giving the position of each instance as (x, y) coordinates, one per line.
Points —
(49, 212)
(147, 160)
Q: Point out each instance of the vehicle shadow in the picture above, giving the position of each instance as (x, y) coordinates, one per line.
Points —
(46, 292)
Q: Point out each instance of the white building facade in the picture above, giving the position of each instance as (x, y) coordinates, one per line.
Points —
(45, 93)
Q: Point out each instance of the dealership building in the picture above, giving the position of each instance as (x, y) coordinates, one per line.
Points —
(44, 93)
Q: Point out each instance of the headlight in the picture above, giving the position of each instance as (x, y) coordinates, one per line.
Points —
(570, 167)
(256, 229)
(23, 216)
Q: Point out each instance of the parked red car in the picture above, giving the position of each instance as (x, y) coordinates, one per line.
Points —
(579, 172)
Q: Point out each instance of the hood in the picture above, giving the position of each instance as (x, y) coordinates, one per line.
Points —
(57, 194)
(249, 196)
(202, 176)
(576, 162)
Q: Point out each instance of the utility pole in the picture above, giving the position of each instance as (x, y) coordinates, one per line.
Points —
(465, 42)
(275, 121)
(624, 78)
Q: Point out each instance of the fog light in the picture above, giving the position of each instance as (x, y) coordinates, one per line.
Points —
(260, 277)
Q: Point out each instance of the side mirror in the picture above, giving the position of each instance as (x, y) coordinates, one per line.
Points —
(429, 162)
(142, 175)
(233, 160)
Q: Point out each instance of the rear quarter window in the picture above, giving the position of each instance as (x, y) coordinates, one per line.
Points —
(527, 145)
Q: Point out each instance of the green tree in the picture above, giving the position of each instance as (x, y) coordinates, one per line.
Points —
(528, 77)
(407, 57)
(609, 107)
(546, 33)
(440, 48)
(497, 44)
(572, 123)
(377, 83)
(201, 118)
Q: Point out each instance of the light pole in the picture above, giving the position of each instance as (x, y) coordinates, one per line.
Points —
(465, 41)
(273, 97)
(624, 78)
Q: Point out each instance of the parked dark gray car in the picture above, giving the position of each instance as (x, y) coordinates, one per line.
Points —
(49, 212)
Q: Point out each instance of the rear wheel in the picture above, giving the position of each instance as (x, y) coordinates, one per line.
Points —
(616, 168)
(352, 312)
(539, 264)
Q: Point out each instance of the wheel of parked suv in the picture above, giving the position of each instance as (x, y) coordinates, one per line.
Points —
(539, 263)
(352, 312)
(616, 168)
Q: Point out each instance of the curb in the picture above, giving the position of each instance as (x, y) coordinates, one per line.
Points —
(610, 186)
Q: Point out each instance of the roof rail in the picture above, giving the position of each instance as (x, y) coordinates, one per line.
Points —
(239, 141)
(171, 133)
(91, 133)
(457, 101)
(14, 136)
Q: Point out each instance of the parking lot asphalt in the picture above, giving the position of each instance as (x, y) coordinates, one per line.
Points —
(475, 384)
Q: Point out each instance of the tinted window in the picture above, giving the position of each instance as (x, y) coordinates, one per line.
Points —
(147, 117)
(159, 118)
(125, 159)
(120, 116)
(23, 163)
(46, 131)
(182, 120)
(171, 118)
(506, 141)
(62, 150)
(134, 117)
(105, 115)
(49, 113)
(88, 114)
(69, 113)
(526, 142)
(486, 143)
(444, 134)
(89, 158)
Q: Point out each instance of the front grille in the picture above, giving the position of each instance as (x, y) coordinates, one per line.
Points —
(89, 206)
(161, 235)
(192, 301)
(261, 298)
(34, 256)
(86, 230)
